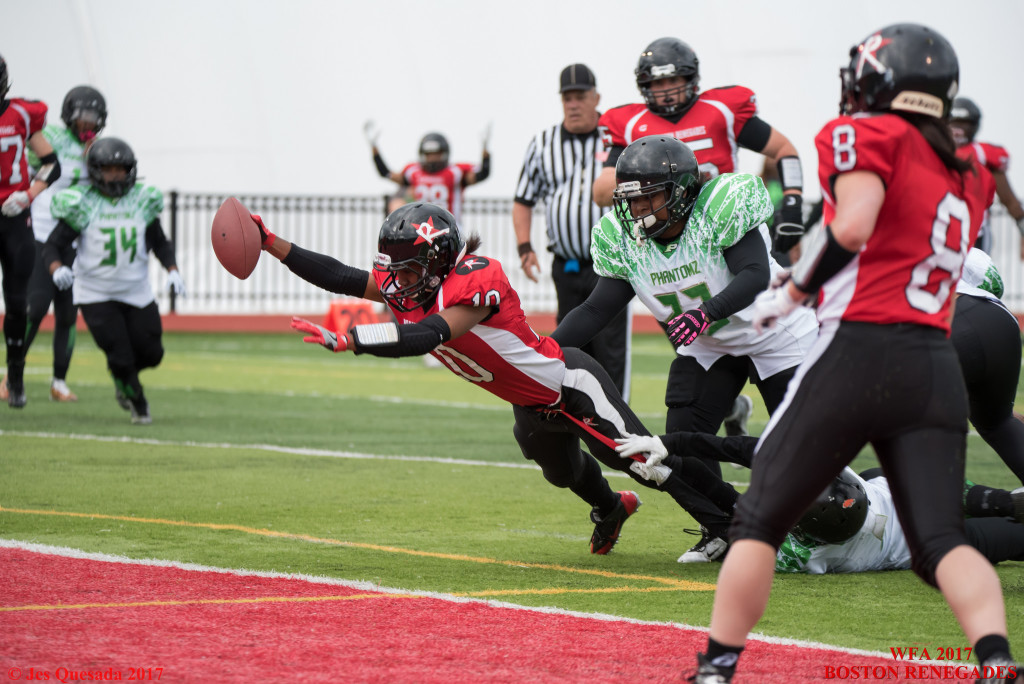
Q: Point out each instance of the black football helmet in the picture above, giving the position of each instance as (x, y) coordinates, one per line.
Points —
(649, 166)
(838, 513)
(85, 104)
(664, 58)
(5, 84)
(111, 152)
(905, 67)
(964, 120)
(431, 143)
(423, 238)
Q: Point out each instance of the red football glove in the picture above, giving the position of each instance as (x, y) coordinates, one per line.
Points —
(687, 326)
(320, 335)
(265, 235)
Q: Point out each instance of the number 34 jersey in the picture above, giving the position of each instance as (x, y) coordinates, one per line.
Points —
(676, 277)
(113, 257)
(907, 270)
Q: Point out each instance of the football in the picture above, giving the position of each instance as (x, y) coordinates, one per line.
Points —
(236, 239)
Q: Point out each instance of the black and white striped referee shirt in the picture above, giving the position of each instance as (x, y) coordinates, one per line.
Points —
(559, 170)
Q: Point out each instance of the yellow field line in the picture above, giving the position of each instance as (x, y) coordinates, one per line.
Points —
(675, 584)
(312, 599)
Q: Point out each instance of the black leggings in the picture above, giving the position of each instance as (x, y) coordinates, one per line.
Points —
(130, 337)
(897, 387)
(17, 256)
(41, 292)
(987, 341)
(552, 440)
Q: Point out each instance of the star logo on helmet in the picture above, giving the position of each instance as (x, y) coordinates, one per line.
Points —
(427, 233)
(867, 54)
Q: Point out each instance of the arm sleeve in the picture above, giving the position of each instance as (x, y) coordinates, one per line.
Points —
(414, 339)
(60, 239)
(754, 134)
(613, 155)
(162, 248)
(326, 272)
(748, 260)
(589, 318)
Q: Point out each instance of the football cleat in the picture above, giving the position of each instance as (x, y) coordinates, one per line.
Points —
(1017, 496)
(606, 529)
(999, 669)
(736, 422)
(15, 386)
(706, 550)
(140, 412)
(122, 400)
(59, 391)
(709, 672)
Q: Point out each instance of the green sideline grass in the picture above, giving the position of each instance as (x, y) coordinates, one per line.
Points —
(498, 532)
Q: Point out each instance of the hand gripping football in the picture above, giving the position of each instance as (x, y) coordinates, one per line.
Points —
(236, 239)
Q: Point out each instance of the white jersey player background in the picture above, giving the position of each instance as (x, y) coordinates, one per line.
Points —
(71, 153)
(675, 277)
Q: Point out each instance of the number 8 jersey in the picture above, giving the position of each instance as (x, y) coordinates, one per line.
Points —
(930, 217)
(113, 257)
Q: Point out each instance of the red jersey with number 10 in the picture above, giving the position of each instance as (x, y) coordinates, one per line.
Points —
(443, 188)
(709, 128)
(907, 270)
(502, 354)
(19, 122)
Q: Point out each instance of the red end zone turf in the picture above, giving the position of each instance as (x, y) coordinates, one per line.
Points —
(200, 625)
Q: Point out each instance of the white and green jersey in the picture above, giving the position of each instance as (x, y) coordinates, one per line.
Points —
(879, 545)
(113, 257)
(71, 155)
(675, 277)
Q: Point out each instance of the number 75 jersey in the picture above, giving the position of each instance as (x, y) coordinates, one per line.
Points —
(113, 257)
(908, 269)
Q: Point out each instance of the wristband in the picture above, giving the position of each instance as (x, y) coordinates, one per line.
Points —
(525, 248)
(791, 174)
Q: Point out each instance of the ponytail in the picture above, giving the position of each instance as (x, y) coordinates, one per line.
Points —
(936, 132)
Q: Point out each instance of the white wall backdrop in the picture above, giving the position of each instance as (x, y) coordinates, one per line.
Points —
(249, 96)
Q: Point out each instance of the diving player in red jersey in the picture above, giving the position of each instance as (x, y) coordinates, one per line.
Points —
(964, 120)
(901, 211)
(21, 130)
(714, 124)
(458, 306)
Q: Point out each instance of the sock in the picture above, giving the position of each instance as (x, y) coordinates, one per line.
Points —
(725, 656)
(991, 645)
(985, 502)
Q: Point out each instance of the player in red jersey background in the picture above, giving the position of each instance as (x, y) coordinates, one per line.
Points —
(714, 124)
(432, 179)
(901, 211)
(21, 130)
(965, 120)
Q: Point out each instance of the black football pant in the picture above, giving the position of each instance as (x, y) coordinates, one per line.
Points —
(131, 339)
(897, 387)
(17, 256)
(611, 347)
(987, 341)
(41, 292)
(593, 411)
(699, 400)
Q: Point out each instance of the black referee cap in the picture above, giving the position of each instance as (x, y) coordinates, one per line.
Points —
(577, 77)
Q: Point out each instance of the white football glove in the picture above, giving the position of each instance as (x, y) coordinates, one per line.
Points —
(176, 283)
(771, 305)
(63, 278)
(653, 449)
(16, 203)
(371, 133)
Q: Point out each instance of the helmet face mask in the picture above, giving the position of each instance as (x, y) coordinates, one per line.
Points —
(84, 112)
(903, 67)
(107, 152)
(434, 153)
(422, 241)
(659, 176)
(964, 120)
(668, 58)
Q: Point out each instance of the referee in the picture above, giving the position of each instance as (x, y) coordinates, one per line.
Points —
(559, 170)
